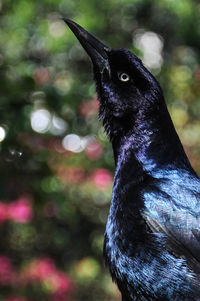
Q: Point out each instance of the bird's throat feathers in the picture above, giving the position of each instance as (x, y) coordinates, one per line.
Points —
(151, 144)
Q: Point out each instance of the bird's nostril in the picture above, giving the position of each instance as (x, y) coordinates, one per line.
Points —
(106, 74)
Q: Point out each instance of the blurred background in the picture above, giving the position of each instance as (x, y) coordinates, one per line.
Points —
(56, 162)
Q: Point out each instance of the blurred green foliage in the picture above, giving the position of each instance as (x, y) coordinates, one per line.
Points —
(56, 161)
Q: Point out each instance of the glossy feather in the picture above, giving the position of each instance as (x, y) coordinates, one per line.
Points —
(152, 237)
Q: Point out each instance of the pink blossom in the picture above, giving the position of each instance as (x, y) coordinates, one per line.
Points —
(73, 175)
(20, 210)
(58, 282)
(44, 271)
(63, 282)
(89, 109)
(94, 150)
(3, 212)
(6, 270)
(40, 269)
(102, 178)
(41, 76)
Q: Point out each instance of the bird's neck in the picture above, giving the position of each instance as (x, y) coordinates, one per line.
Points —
(152, 145)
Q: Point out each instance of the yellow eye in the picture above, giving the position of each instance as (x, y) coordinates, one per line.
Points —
(124, 77)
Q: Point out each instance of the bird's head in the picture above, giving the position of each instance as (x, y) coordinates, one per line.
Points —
(126, 89)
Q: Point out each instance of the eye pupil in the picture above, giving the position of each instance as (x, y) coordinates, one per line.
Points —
(124, 77)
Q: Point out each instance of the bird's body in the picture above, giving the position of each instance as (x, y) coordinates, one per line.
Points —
(152, 238)
(146, 247)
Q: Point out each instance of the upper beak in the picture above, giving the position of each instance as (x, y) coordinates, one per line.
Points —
(97, 51)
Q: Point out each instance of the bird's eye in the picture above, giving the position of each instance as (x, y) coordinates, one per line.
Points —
(124, 77)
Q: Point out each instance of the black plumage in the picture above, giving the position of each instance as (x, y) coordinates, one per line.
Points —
(152, 237)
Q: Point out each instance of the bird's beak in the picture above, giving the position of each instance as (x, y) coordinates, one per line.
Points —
(97, 51)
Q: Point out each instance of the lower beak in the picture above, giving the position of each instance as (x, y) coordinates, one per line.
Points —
(97, 51)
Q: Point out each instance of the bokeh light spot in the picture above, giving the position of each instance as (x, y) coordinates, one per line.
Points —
(2, 133)
(74, 143)
(87, 268)
(151, 45)
(40, 120)
(57, 29)
(58, 126)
